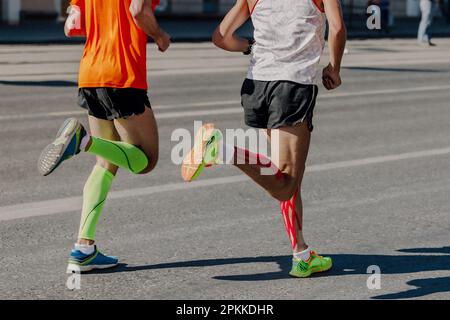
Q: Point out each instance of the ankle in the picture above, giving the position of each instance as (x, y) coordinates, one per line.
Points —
(85, 242)
(85, 248)
(300, 248)
(302, 255)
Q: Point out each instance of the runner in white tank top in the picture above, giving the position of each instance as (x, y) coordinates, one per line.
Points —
(290, 37)
(278, 96)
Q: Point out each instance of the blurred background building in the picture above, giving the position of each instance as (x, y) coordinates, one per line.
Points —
(15, 11)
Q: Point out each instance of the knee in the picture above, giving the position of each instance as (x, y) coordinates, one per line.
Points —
(290, 184)
(285, 192)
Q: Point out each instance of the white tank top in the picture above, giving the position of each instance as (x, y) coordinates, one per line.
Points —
(290, 37)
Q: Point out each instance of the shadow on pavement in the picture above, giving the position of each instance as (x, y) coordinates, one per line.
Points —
(344, 264)
(356, 264)
(283, 261)
(423, 287)
(50, 83)
(444, 250)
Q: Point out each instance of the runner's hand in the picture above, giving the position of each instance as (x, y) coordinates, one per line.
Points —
(163, 41)
(331, 78)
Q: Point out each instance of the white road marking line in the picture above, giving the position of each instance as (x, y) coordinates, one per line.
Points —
(161, 91)
(71, 74)
(197, 104)
(196, 71)
(380, 159)
(384, 91)
(181, 114)
(167, 115)
(13, 75)
(395, 62)
(50, 207)
(44, 208)
(160, 115)
(196, 113)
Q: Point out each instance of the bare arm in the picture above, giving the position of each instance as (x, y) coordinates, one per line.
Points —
(224, 37)
(75, 26)
(143, 16)
(337, 38)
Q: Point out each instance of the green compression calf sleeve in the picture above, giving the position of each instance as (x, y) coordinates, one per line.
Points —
(121, 154)
(94, 196)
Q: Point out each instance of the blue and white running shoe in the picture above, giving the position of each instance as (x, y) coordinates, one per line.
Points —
(65, 146)
(80, 262)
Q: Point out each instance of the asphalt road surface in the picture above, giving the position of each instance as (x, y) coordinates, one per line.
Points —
(376, 191)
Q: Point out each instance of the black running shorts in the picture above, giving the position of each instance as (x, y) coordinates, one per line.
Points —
(113, 103)
(275, 104)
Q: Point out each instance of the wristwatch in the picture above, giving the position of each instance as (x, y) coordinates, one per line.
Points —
(251, 43)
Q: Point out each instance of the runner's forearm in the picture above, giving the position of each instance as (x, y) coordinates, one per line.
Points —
(145, 19)
(337, 35)
(336, 44)
(224, 37)
(232, 43)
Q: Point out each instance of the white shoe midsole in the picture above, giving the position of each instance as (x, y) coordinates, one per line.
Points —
(74, 268)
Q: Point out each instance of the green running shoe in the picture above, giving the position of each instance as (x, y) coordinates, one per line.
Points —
(316, 263)
(65, 146)
(204, 153)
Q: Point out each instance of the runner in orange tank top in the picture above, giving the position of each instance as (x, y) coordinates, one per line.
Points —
(116, 48)
(113, 89)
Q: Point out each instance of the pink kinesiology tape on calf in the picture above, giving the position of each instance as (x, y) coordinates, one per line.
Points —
(290, 217)
(288, 210)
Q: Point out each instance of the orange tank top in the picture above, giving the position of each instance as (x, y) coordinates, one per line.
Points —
(115, 53)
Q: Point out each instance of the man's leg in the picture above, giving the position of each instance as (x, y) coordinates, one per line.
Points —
(292, 210)
(287, 163)
(119, 153)
(141, 131)
(137, 130)
(72, 138)
(289, 160)
(281, 177)
(86, 256)
(98, 184)
(426, 7)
